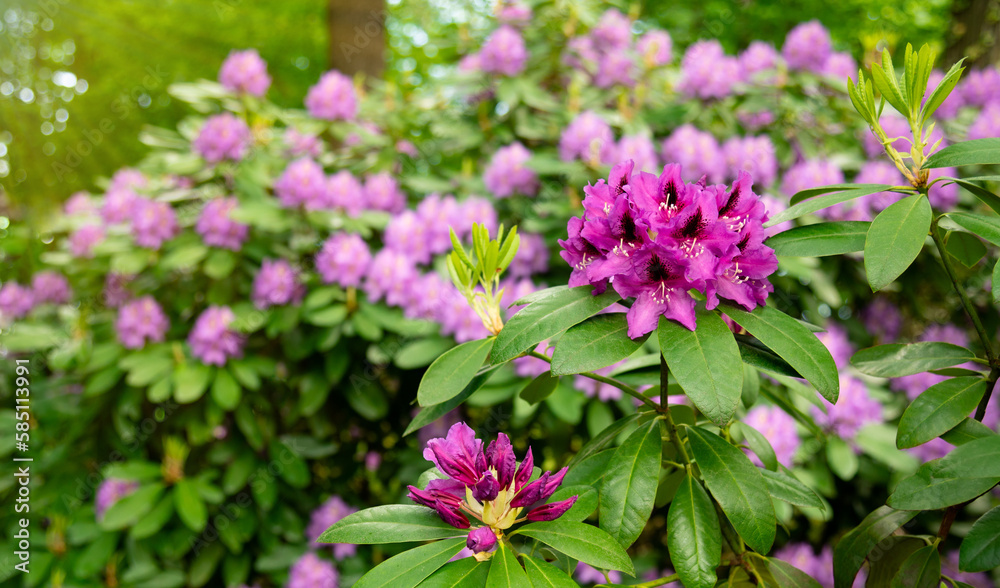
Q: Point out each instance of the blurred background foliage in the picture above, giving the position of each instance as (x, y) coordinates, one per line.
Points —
(80, 78)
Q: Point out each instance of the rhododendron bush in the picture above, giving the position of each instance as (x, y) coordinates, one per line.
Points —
(584, 308)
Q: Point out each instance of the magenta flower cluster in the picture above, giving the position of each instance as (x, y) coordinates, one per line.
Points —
(654, 238)
(508, 172)
(323, 518)
(141, 321)
(611, 56)
(223, 137)
(212, 339)
(276, 284)
(487, 486)
(245, 72)
(217, 227)
(333, 98)
(111, 491)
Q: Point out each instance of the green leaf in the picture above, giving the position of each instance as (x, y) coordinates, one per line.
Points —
(788, 576)
(892, 552)
(980, 550)
(852, 549)
(759, 445)
(595, 343)
(546, 317)
(984, 226)
(794, 343)
(367, 398)
(190, 381)
(505, 571)
(153, 520)
(458, 574)
(422, 352)
(821, 239)
(225, 391)
(582, 542)
(585, 505)
(452, 372)
(432, 413)
(921, 570)
(985, 196)
(809, 204)
(545, 575)
(189, 505)
(895, 239)
(898, 359)
(392, 523)
(938, 409)
(975, 152)
(755, 355)
(694, 538)
(706, 363)
(629, 488)
(966, 431)
(965, 248)
(787, 489)
(91, 560)
(130, 509)
(842, 459)
(941, 92)
(965, 473)
(811, 192)
(410, 568)
(294, 470)
(539, 388)
(220, 263)
(738, 487)
(603, 439)
(996, 280)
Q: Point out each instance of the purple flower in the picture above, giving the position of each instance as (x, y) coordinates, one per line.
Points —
(532, 256)
(943, 196)
(754, 155)
(141, 321)
(883, 319)
(532, 367)
(758, 59)
(855, 408)
(471, 211)
(707, 72)
(245, 72)
(51, 287)
(128, 179)
(600, 390)
(323, 518)
(223, 137)
(615, 67)
(513, 12)
(211, 339)
(276, 284)
(655, 47)
(382, 192)
(640, 149)
(482, 539)
(586, 574)
(836, 341)
(391, 276)
(587, 138)
(581, 53)
(312, 572)
(614, 30)
(755, 120)
(503, 52)
(16, 300)
(807, 47)
(118, 204)
(301, 144)
(987, 124)
(84, 239)
(216, 226)
(980, 87)
(486, 484)
(79, 204)
(949, 567)
(819, 567)
(372, 461)
(333, 97)
(153, 223)
(811, 173)
(697, 152)
(343, 260)
(111, 491)
(303, 183)
(778, 428)
(441, 213)
(343, 192)
(840, 66)
(408, 235)
(116, 290)
(949, 108)
(508, 173)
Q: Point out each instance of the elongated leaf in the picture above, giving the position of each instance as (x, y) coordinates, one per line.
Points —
(506, 571)
(892, 552)
(967, 248)
(965, 473)
(985, 196)
(980, 550)
(432, 413)
(458, 574)
(391, 523)
(546, 317)
(794, 343)
(921, 570)
(693, 535)
(595, 343)
(975, 152)
(811, 192)
(788, 576)
(895, 239)
(189, 505)
(760, 446)
(190, 381)
(787, 489)
(755, 354)
(582, 542)
(821, 239)
(852, 549)
(130, 509)
(941, 92)
(410, 568)
(600, 441)
(938, 409)
(986, 227)
(738, 487)
(820, 202)
(706, 363)
(540, 388)
(966, 431)
(545, 575)
(897, 359)
(452, 372)
(629, 487)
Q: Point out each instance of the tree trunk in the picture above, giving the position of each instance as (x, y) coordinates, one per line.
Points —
(357, 36)
(974, 33)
